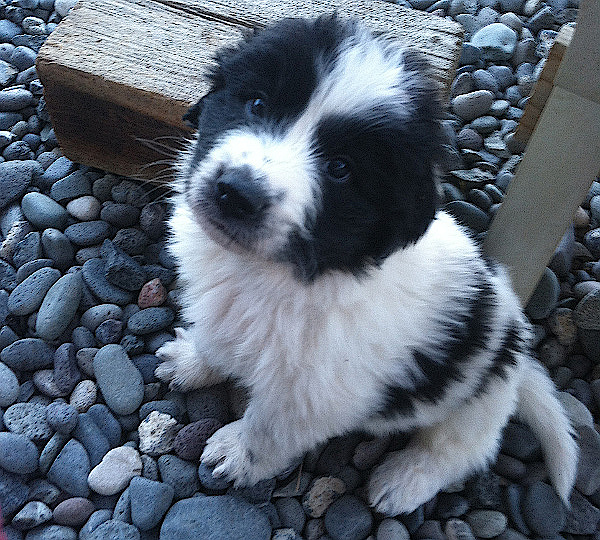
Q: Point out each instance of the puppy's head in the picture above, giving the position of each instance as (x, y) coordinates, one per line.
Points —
(316, 147)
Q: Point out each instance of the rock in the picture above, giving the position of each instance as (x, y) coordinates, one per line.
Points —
(115, 471)
(32, 515)
(94, 521)
(583, 517)
(43, 380)
(13, 492)
(259, 493)
(543, 511)
(131, 241)
(28, 249)
(59, 306)
(28, 419)
(544, 18)
(119, 215)
(321, 495)
(291, 514)
(392, 529)
(88, 233)
(348, 518)
(120, 269)
(9, 386)
(71, 187)
(368, 453)
(28, 295)
(473, 104)
(150, 501)
(497, 41)
(210, 484)
(107, 423)
(113, 528)
(215, 518)
(15, 99)
(122, 510)
(109, 331)
(486, 523)
(152, 294)
(164, 406)
(577, 412)
(457, 529)
(43, 212)
(86, 208)
(17, 453)
(150, 320)
(96, 315)
(588, 472)
(181, 475)
(544, 297)
(73, 512)
(84, 395)
(61, 416)
(94, 276)
(157, 433)
(52, 532)
(92, 438)
(468, 214)
(58, 248)
(152, 219)
(119, 380)
(70, 469)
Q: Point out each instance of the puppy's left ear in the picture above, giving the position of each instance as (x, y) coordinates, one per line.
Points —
(192, 115)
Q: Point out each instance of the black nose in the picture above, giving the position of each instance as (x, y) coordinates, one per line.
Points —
(240, 194)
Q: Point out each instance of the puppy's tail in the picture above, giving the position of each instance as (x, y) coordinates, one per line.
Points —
(540, 409)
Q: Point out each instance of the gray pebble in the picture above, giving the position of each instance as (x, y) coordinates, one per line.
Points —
(8, 276)
(150, 501)
(8, 73)
(128, 192)
(52, 532)
(211, 402)
(71, 187)
(103, 186)
(83, 338)
(215, 517)
(58, 248)
(22, 58)
(457, 529)
(583, 517)
(83, 395)
(122, 511)
(28, 354)
(487, 523)
(291, 514)
(88, 233)
(71, 469)
(13, 492)
(121, 270)
(209, 483)
(15, 99)
(107, 423)
(44, 382)
(497, 41)
(119, 380)
(33, 514)
(94, 277)
(543, 511)
(588, 472)
(94, 521)
(58, 169)
(149, 320)
(180, 474)
(17, 453)
(59, 306)
(544, 297)
(92, 438)
(29, 268)
(28, 249)
(470, 106)
(28, 419)
(73, 512)
(9, 386)
(109, 331)
(120, 215)
(259, 493)
(43, 212)
(93, 317)
(544, 18)
(392, 529)
(469, 215)
(348, 518)
(131, 241)
(115, 530)
(62, 417)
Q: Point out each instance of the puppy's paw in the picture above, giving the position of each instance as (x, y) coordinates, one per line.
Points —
(227, 451)
(181, 366)
(404, 481)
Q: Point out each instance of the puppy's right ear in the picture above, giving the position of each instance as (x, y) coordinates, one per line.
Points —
(193, 113)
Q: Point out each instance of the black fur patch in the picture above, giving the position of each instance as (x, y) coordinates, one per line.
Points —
(466, 336)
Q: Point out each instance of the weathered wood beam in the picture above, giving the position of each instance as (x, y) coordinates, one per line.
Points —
(117, 72)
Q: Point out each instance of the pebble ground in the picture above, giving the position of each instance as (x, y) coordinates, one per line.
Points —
(93, 447)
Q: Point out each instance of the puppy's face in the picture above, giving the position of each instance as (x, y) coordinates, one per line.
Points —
(315, 148)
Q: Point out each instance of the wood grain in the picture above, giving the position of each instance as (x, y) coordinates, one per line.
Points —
(145, 61)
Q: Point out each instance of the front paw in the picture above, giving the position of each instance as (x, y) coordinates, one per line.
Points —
(404, 481)
(181, 365)
(227, 450)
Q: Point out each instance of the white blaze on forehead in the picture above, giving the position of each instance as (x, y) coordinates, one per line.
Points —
(367, 74)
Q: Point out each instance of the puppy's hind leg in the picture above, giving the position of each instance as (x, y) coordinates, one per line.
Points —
(183, 366)
(444, 453)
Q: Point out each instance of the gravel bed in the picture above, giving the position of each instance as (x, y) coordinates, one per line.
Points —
(93, 447)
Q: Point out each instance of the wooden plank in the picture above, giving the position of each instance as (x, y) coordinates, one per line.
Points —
(543, 85)
(128, 69)
(553, 178)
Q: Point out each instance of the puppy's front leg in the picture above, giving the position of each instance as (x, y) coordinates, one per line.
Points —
(184, 365)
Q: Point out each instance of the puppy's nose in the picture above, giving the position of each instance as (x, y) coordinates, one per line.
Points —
(240, 195)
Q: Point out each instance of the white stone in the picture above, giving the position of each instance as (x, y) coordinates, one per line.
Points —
(62, 7)
(115, 471)
(157, 433)
(86, 208)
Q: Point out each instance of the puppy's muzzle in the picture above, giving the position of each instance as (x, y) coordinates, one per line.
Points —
(240, 195)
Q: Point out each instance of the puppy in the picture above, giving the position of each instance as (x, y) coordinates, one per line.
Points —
(319, 272)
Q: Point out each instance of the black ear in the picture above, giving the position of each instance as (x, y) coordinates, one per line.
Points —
(193, 113)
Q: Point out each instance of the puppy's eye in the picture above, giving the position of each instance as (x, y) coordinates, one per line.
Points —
(256, 107)
(338, 169)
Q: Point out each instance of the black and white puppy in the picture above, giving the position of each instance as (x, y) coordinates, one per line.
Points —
(319, 273)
